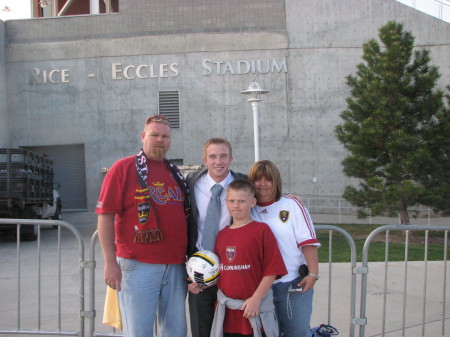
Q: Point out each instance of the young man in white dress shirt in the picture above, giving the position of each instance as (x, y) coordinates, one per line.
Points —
(217, 156)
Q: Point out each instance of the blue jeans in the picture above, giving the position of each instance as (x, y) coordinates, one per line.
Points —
(293, 310)
(150, 291)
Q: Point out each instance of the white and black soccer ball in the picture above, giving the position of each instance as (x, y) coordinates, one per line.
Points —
(203, 268)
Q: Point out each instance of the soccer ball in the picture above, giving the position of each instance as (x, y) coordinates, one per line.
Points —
(203, 268)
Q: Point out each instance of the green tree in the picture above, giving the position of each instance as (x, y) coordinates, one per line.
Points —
(396, 129)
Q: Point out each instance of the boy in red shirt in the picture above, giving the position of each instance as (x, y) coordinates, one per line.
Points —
(249, 263)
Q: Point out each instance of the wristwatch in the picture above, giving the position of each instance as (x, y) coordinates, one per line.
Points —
(314, 275)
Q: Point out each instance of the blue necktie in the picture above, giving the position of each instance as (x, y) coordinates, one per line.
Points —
(212, 219)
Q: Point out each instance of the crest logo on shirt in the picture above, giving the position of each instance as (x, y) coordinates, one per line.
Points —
(231, 253)
(284, 216)
(143, 212)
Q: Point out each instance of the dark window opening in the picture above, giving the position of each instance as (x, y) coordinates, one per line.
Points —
(51, 8)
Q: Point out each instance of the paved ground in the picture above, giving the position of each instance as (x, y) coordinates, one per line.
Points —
(339, 289)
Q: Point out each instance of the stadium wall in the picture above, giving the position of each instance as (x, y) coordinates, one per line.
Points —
(92, 80)
(4, 135)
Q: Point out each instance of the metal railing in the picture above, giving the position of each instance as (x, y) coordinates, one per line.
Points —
(438, 8)
(331, 231)
(425, 287)
(34, 286)
(92, 294)
(22, 283)
(336, 205)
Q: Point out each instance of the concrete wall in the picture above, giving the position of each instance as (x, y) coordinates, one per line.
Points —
(321, 41)
(155, 17)
(4, 136)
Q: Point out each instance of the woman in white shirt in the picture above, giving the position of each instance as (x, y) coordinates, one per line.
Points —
(292, 226)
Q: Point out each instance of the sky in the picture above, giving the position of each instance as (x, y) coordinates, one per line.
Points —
(19, 9)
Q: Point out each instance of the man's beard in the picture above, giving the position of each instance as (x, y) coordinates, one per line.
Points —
(157, 153)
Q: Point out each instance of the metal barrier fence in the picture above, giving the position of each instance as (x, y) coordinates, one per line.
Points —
(437, 8)
(331, 230)
(92, 295)
(36, 293)
(404, 291)
(334, 315)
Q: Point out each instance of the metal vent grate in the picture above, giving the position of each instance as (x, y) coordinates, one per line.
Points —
(169, 106)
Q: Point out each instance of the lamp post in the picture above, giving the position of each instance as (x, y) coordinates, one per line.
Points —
(255, 91)
(44, 3)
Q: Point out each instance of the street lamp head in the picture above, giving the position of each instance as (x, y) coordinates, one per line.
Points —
(44, 3)
(255, 91)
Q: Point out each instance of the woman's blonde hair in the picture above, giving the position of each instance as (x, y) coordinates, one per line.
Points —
(267, 169)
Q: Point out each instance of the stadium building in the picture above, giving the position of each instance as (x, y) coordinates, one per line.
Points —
(78, 80)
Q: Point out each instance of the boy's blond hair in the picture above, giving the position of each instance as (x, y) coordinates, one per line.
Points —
(242, 185)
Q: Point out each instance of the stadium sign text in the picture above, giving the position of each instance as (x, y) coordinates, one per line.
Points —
(121, 71)
(143, 71)
(243, 67)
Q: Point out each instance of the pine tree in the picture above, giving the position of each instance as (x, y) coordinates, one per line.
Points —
(396, 129)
